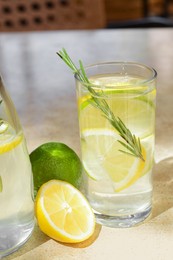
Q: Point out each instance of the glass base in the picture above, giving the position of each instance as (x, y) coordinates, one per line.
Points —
(12, 239)
(122, 221)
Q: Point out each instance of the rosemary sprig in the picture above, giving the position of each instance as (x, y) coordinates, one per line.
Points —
(130, 141)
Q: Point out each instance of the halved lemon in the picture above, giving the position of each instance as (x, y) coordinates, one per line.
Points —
(63, 213)
(103, 160)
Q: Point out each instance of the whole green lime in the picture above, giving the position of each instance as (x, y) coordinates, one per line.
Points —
(55, 161)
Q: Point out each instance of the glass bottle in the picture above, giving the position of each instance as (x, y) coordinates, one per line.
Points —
(16, 184)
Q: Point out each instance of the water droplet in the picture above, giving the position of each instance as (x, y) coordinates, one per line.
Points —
(3, 126)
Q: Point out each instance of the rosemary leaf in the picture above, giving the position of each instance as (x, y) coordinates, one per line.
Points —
(125, 152)
(126, 146)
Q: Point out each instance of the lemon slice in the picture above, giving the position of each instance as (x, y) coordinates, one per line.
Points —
(8, 142)
(95, 144)
(63, 213)
(136, 112)
(102, 159)
(124, 170)
(12, 142)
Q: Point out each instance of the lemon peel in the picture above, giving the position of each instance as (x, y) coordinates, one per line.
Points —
(63, 213)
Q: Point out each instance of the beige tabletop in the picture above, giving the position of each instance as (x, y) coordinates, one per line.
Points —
(43, 91)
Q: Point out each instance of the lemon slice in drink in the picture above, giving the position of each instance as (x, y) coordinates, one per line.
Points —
(102, 159)
(124, 170)
(136, 112)
(9, 142)
(63, 213)
(95, 144)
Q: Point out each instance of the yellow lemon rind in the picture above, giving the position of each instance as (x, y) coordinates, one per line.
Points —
(11, 145)
(137, 175)
(49, 228)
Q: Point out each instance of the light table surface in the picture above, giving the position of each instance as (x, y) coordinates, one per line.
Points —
(43, 91)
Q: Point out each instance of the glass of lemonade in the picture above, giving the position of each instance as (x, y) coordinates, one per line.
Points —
(16, 185)
(117, 184)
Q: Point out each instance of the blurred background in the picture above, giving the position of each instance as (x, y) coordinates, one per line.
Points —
(34, 15)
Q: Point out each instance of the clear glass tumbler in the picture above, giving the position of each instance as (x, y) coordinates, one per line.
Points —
(16, 184)
(117, 110)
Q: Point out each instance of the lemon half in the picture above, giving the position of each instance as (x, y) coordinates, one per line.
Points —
(63, 213)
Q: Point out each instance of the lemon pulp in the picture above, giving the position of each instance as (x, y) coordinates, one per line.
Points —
(63, 213)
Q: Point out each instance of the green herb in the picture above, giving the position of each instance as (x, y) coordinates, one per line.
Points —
(130, 141)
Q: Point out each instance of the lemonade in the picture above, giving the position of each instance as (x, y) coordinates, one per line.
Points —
(16, 218)
(16, 185)
(117, 185)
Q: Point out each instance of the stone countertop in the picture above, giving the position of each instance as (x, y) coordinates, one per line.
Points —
(43, 91)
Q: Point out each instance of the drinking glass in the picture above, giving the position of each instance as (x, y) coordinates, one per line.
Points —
(16, 184)
(115, 108)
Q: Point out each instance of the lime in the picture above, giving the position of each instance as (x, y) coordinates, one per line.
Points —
(55, 161)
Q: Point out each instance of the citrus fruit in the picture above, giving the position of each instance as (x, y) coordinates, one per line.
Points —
(137, 113)
(102, 158)
(55, 161)
(8, 142)
(63, 213)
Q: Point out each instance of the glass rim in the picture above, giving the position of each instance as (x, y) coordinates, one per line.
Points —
(142, 81)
